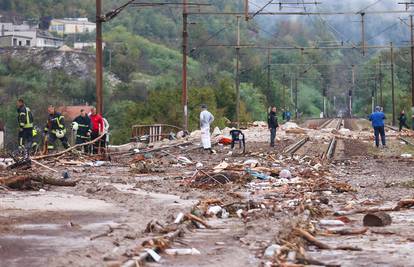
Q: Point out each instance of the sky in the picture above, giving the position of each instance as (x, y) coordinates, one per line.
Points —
(380, 28)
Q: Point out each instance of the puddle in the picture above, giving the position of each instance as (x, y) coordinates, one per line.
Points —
(158, 197)
(52, 201)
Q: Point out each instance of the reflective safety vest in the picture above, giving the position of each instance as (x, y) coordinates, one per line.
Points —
(25, 117)
(55, 122)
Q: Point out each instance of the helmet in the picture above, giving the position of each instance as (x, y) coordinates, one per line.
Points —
(75, 126)
(60, 134)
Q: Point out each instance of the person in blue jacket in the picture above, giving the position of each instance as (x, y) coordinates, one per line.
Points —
(377, 118)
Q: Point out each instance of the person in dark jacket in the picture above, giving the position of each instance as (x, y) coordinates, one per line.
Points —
(377, 118)
(403, 120)
(273, 125)
(55, 129)
(25, 121)
(83, 126)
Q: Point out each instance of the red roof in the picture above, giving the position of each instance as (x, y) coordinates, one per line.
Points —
(71, 112)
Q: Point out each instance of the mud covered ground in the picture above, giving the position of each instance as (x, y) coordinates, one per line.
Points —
(100, 220)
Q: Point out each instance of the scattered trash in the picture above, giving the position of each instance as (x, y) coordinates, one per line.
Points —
(184, 160)
(225, 140)
(239, 213)
(65, 175)
(406, 156)
(98, 163)
(331, 223)
(154, 255)
(213, 210)
(179, 218)
(271, 251)
(258, 175)
(224, 214)
(199, 165)
(285, 174)
(251, 162)
(182, 251)
(222, 166)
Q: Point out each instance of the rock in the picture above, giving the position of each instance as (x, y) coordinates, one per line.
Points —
(216, 131)
(260, 124)
(344, 131)
(286, 174)
(377, 219)
(289, 125)
(271, 251)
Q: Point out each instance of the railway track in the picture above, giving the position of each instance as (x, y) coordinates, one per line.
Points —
(308, 147)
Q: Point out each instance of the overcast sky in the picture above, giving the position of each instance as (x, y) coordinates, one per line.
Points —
(348, 26)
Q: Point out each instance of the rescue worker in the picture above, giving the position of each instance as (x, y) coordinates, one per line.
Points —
(25, 121)
(273, 125)
(82, 125)
(403, 120)
(206, 119)
(55, 128)
(377, 118)
(97, 128)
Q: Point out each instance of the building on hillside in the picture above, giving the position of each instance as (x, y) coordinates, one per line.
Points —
(71, 26)
(71, 112)
(10, 27)
(15, 41)
(25, 35)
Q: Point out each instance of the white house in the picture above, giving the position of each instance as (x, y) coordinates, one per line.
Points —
(71, 26)
(29, 38)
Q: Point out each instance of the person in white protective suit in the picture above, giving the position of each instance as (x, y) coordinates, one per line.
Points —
(206, 119)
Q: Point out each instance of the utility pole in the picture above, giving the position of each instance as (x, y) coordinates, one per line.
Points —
(324, 100)
(363, 33)
(296, 97)
(184, 99)
(268, 70)
(351, 91)
(373, 97)
(380, 82)
(99, 60)
(412, 65)
(392, 83)
(238, 74)
(246, 10)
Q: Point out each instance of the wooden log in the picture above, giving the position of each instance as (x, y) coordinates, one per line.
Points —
(53, 181)
(311, 239)
(377, 219)
(194, 218)
(405, 203)
(68, 150)
(13, 180)
(349, 231)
